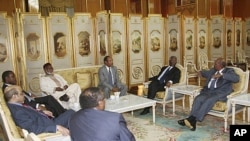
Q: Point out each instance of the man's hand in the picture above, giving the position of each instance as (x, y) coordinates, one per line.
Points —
(216, 76)
(115, 89)
(168, 84)
(199, 74)
(42, 108)
(65, 87)
(33, 96)
(59, 89)
(62, 130)
(48, 113)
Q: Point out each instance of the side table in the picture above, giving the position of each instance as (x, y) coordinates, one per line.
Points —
(190, 90)
(244, 100)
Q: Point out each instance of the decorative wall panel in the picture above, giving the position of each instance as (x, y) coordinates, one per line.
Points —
(118, 44)
(136, 50)
(188, 41)
(7, 50)
(217, 37)
(202, 36)
(173, 37)
(155, 44)
(238, 37)
(59, 40)
(102, 34)
(34, 49)
(246, 36)
(229, 39)
(83, 39)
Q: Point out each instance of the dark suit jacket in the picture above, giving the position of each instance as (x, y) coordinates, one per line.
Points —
(49, 101)
(224, 84)
(174, 74)
(96, 125)
(33, 121)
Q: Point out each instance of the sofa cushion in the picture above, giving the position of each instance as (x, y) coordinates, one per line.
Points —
(84, 79)
(96, 79)
(219, 106)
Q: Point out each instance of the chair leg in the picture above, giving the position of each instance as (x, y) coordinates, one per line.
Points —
(225, 124)
(164, 108)
(183, 103)
(244, 114)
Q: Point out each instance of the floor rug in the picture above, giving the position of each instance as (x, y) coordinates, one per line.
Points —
(166, 127)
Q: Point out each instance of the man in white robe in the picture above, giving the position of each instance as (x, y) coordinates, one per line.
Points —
(57, 86)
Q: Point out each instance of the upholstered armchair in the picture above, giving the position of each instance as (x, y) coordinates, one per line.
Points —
(224, 109)
(192, 71)
(164, 97)
(203, 62)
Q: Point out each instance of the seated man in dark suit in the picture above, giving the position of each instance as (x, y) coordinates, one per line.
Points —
(219, 82)
(33, 120)
(92, 123)
(167, 76)
(50, 103)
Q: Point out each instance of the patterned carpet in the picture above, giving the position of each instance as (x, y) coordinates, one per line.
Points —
(166, 127)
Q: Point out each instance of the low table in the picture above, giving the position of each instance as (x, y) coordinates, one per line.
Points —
(244, 100)
(128, 103)
(190, 90)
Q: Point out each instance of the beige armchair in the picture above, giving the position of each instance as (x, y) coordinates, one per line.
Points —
(203, 62)
(224, 109)
(192, 71)
(164, 97)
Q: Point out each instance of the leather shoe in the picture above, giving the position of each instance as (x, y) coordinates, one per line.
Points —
(181, 122)
(145, 111)
(190, 125)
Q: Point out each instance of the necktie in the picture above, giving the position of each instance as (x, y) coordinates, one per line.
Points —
(212, 85)
(110, 77)
(161, 78)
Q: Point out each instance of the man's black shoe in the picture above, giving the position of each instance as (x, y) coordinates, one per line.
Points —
(181, 122)
(145, 111)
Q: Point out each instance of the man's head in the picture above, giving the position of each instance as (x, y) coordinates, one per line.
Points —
(92, 97)
(172, 61)
(108, 61)
(48, 69)
(14, 94)
(9, 77)
(219, 64)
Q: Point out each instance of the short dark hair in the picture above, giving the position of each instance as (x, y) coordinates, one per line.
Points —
(105, 58)
(6, 74)
(90, 97)
(45, 65)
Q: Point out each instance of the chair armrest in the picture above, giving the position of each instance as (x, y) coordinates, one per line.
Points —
(233, 94)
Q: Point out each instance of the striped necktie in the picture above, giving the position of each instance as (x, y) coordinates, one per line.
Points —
(110, 77)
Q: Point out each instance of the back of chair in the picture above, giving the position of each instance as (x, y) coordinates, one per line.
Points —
(183, 79)
(242, 85)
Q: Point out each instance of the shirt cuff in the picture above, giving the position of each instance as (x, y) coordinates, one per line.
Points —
(37, 106)
(170, 81)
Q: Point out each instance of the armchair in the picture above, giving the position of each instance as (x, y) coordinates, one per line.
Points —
(164, 97)
(203, 62)
(224, 109)
(192, 71)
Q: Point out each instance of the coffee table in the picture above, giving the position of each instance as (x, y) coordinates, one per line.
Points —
(244, 100)
(130, 102)
(190, 90)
